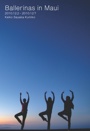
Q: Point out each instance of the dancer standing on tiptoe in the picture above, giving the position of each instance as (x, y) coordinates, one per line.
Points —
(68, 105)
(23, 113)
(48, 111)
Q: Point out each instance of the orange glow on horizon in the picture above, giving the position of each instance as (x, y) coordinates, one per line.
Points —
(12, 120)
(7, 120)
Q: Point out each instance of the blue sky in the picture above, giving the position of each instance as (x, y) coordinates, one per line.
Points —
(49, 53)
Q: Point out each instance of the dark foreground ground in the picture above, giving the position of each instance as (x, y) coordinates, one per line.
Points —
(49, 130)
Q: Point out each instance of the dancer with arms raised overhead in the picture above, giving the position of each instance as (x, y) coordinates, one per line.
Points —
(23, 112)
(68, 105)
(48, 112)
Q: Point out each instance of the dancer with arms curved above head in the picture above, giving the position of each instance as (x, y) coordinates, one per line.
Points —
(23, 112)
(68, 105)
(48, 112)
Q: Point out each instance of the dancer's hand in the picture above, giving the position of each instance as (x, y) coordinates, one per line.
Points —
(62, 92)
(52, 92)
(27, 92)
(45, 92)
(71, 91)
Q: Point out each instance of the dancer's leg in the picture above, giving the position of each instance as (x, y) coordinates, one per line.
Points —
(61, 114)
(49, 119)
(42, 115)
(23, 121)
(69, 122)
(16, 116)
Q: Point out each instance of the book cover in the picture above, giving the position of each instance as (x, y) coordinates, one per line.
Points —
(44, 64)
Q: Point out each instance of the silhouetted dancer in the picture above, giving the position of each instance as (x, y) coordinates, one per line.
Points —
(68, 105)
(48, 111)
(23, 113)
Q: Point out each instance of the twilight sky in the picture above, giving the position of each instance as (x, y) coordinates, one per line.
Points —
(48, 53)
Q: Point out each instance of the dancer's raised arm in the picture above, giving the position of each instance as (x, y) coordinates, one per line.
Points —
(21, 98)
(28, 97)
(53, 96)
(72, 95)
(45, 96)
(62, 96)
